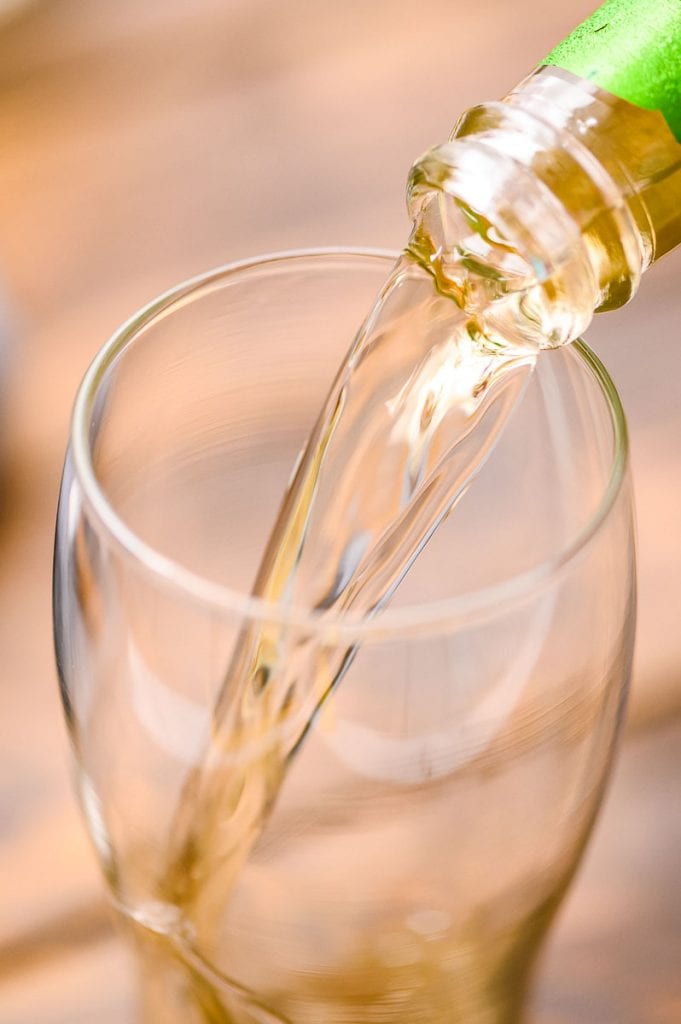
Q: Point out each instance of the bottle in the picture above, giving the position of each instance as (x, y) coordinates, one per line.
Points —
(550, 204)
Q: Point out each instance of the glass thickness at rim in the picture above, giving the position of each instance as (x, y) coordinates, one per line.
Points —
(479, 604)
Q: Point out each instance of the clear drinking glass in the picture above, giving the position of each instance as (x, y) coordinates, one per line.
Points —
(424, 834)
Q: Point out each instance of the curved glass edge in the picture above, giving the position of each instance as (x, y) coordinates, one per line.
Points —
(479, 605)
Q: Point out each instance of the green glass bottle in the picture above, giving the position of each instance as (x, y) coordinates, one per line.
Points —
(550, 204)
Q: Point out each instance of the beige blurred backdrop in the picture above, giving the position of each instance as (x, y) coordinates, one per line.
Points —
(142, 141)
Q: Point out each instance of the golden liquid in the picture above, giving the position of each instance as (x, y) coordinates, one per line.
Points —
(414, 413)
(412, 417)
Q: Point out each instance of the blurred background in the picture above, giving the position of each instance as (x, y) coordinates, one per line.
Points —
(143, 142)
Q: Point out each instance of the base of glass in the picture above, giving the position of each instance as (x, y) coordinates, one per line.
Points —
(173, 990)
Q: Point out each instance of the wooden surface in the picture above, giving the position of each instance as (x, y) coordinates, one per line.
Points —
(145, 141)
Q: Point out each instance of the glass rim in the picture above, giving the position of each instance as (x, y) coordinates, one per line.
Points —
(481, 603)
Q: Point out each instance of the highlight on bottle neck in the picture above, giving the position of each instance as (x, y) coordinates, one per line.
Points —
(632, 50)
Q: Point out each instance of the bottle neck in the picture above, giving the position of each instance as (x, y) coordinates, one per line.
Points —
(547, 206)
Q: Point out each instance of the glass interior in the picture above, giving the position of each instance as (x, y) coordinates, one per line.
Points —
(202, 405)
(394, 847)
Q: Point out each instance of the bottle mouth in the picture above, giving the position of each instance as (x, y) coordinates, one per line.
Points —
(425, 619)
(532, 197)
(499, 241)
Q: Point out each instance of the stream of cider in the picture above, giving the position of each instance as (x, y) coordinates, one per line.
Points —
(411, 418)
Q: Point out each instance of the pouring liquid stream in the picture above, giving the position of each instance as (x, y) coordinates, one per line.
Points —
(410, 420)
(540, 210)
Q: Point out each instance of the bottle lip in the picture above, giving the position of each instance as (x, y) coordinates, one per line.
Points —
(435, 617)
(478, 203)
(508, 160)
(479, 174)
